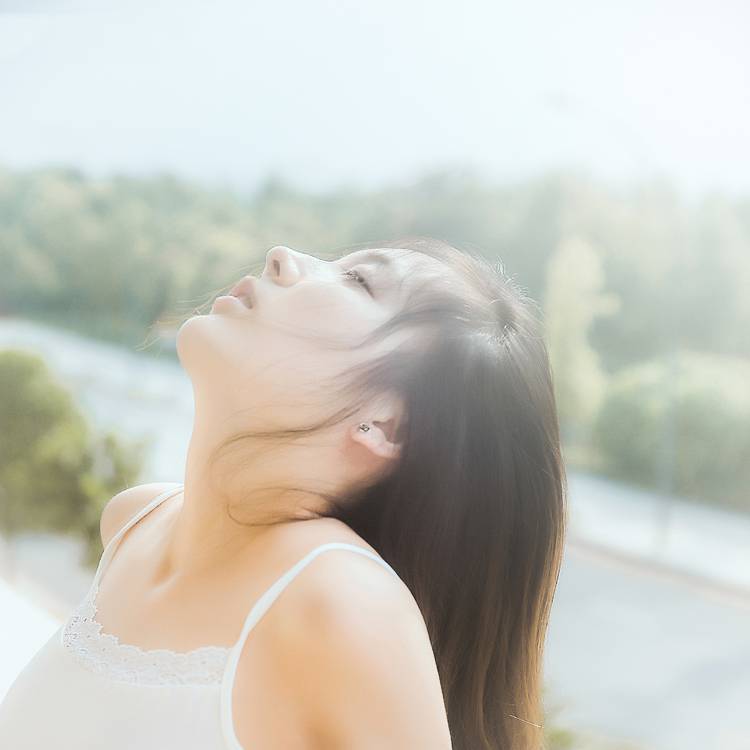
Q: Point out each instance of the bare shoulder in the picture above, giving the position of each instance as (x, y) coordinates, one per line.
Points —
(353, 637)
(337, 576)
(124, 505)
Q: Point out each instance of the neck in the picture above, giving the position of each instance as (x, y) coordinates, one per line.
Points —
(202, 536)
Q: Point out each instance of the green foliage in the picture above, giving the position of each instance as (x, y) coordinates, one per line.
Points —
(123, 258)
(54, 474)
(574, 297)
(110, 257)
(557, 736)
(680, 424)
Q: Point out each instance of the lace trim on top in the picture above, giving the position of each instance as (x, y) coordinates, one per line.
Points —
(103, 654)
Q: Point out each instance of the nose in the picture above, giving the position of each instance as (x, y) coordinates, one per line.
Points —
(282, 266)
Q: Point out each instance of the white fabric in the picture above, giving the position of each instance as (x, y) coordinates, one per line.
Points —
(84, 689)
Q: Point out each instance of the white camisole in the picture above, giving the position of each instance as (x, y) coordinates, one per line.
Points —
(84, 689)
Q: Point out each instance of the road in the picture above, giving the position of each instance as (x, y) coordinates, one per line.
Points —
(649, 656)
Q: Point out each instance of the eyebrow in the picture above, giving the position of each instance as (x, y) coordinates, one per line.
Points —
(371, 255)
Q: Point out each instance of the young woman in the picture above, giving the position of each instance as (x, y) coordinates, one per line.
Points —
(365, 548)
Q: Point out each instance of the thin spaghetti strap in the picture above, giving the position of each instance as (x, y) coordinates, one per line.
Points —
(115, 540)
(272, 592)
(257, 611)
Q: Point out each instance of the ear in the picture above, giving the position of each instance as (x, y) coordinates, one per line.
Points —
(383, 417)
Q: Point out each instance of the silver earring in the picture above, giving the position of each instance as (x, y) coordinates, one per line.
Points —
(364, 427)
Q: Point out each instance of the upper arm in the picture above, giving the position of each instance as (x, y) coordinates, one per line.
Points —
(360, 661)
(124, 505)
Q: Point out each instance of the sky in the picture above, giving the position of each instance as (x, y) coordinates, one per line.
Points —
(332, 94)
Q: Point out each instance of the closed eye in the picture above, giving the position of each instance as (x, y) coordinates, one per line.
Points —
(351, 273)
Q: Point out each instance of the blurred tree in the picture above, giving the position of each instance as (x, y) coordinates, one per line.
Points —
(574, 297)
(110, 257)
(54, 475)
(710, 408)
(122, 257)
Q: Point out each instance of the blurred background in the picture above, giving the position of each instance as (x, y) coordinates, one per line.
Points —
(150, 154)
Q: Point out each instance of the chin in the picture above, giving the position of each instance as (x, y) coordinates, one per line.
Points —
(196, 340)
(205, 343)
(184, 340)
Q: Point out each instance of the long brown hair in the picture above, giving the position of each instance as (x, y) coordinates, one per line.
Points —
(473, 514)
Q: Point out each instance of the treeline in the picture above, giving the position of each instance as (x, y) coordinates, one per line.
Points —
(634, 284)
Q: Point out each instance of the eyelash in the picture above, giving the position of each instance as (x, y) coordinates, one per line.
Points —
(360, 279)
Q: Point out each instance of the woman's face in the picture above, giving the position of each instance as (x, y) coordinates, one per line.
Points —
(270, 361)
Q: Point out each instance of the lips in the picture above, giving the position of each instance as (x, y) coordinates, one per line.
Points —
(244, 290)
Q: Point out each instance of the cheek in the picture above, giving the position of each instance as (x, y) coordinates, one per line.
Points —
(292, 374)
(325, 311)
